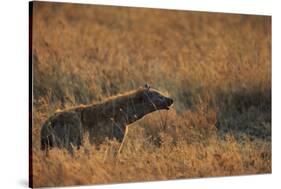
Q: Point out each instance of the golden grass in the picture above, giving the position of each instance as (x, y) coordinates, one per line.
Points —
(217, 68)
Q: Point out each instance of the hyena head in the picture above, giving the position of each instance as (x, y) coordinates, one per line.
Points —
(150, 100)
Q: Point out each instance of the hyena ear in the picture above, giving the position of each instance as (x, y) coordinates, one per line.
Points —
(146, 86)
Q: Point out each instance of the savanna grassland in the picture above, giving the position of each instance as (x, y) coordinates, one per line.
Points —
(216, 67)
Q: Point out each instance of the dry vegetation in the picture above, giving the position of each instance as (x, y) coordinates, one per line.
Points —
(217, 68)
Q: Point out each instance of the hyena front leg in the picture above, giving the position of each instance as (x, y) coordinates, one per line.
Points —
(123, 141)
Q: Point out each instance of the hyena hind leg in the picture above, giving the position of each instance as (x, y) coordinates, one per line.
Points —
(64, 130)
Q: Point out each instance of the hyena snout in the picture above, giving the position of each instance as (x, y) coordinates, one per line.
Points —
(168, 102)
(164, 103)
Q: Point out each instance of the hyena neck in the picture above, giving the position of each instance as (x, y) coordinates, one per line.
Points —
(126, 108)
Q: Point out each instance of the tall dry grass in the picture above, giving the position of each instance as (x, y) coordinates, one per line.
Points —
(217, 68)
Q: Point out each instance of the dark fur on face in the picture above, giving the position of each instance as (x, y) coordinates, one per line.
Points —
(157, 100)
(150, 100)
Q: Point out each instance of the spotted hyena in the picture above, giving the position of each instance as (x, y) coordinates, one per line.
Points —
(107, 119)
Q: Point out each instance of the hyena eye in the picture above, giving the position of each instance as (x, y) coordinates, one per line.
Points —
(161, 97)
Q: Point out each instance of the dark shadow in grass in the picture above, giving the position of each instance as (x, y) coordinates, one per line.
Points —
(245, 112)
